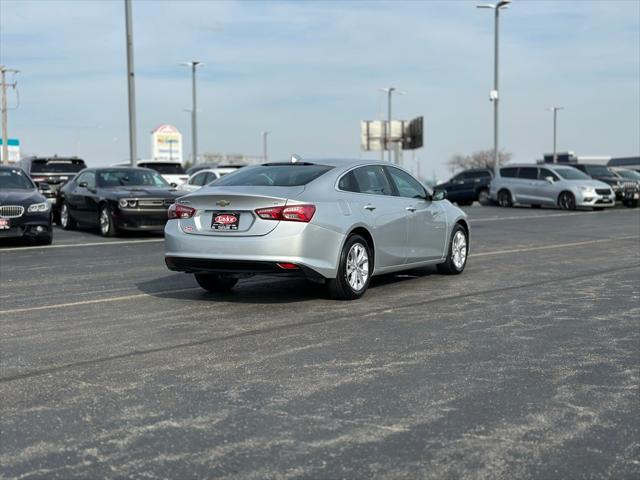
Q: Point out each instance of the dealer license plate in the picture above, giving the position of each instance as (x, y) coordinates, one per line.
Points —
(4, 224)
(225, 221)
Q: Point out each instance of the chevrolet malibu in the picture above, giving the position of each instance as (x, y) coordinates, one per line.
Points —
(333, 222)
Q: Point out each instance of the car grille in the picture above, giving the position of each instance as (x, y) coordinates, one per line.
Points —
(155, 202)
(603, 191)
(11, 211)
(629, 186)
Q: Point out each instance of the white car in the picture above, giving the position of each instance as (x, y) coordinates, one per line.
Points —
(172, 172)
(204, 177)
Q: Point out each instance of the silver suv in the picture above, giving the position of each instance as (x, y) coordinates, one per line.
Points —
(551, 185)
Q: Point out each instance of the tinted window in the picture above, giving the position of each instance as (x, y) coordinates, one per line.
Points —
(631, 174)
(478, 174)
(198, 179)
(545, 172)
(14, 178)
(598, 171)
(572, 174)
(127, 178)
(57, 166)
(164, 168)
(529, 173)
(372, 180)
(89, 177)
(285, 175)
(406, 185)
(348, 183)
(509, 172)
(210, 177)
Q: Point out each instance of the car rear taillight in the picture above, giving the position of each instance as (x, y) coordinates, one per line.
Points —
(287, 266)
(180, 211)
(293, 213)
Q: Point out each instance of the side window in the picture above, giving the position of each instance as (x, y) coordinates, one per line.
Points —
(89, 177)
(198, 179)
(348, 183)
(371, 180)
(509, 172)
(528, 173)
(545, 172)
(209, 177)
(407, 185)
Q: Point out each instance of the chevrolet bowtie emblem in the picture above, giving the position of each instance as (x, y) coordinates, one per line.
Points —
(223, 203)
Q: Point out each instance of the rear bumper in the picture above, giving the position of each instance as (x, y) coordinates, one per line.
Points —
(315, 250)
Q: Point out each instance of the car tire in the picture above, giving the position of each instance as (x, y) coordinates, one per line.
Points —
(215, 283)
(355, 260)
(483, 197)
(504, 199)
(457, 253)
(566, 201)
(106, 223)
(67, 222)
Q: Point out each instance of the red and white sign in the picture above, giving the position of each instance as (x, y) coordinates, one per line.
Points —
(225, 219)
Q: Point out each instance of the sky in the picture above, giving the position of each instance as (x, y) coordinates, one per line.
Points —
(310, 71)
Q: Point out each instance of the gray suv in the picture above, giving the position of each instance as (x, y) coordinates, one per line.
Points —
(551, 185)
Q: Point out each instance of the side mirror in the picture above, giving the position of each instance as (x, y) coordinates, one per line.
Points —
(549, 179)
(83, 184)
(44, 186)
(173, 184)
(439, 195)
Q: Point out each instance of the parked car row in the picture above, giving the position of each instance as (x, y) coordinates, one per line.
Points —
(555, 185)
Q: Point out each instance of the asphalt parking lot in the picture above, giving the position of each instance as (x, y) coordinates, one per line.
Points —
(526, 366)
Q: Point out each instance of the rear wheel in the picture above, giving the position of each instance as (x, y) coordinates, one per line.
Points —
(566, 201)
(504, 199)
(215, 283)
(483, 197)
(354, 270)
(457, 253)
(67, 222)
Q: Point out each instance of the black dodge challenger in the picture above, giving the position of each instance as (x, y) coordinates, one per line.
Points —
(24, 212)
(116, 199)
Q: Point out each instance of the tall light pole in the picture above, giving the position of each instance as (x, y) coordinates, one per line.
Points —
(264, 146)
(131, 86)
(555, 130)
(3, 109)
(494, 96)
(194, 125)
(387, 133)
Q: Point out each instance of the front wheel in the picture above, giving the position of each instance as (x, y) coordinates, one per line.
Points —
(215, 283)
(457, 253)
(567, 201)
(67, 222)
(354, 270)
(107, 224)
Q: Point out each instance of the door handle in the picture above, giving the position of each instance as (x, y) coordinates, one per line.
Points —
(411, 209)
(369, 207)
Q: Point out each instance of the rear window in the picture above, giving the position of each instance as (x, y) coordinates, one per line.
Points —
(509, 172)
(289, 175)
(529, 173)
(164, 168)
(57, 166)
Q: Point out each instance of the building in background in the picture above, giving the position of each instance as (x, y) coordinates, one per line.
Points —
(14, 150)
(166, 144)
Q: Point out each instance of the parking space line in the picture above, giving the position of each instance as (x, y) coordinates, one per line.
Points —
(142, 295)
(92, 244)
(552, 246)
(550, 215)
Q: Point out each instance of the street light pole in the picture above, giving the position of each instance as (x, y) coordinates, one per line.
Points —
(264, 146)
(194, 125)
(494, 94)
(387, 132)
(133, 149)
(555, 130)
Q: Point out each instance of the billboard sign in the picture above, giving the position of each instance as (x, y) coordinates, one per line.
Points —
(13, 147)
(166, 144)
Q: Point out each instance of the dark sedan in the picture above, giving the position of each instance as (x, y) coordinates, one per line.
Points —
(24, 212)
(116, 199)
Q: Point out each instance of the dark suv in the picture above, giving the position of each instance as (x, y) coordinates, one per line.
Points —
(468, 186)
(50, 174)
(625, 190)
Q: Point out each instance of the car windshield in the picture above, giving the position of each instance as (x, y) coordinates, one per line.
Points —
(599, 171)
(164, 168)
(15, 179)
(57, 166)
(630, 174)
(130, 178)
(275, 175)
(572, 174)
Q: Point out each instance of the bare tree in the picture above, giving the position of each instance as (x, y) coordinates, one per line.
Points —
(480, 159)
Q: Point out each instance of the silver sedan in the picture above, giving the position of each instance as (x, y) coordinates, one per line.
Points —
(333, 222)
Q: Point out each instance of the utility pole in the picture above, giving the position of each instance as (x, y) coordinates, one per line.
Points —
(194, 110)
(555, 130)
(387, 133)
(494, 96)
(5, 128)
(264, 146)
(131, 86)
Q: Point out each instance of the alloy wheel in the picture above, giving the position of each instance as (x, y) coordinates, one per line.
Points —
(64, 215)
(459, 250)
(105, 223)
(357, 270)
